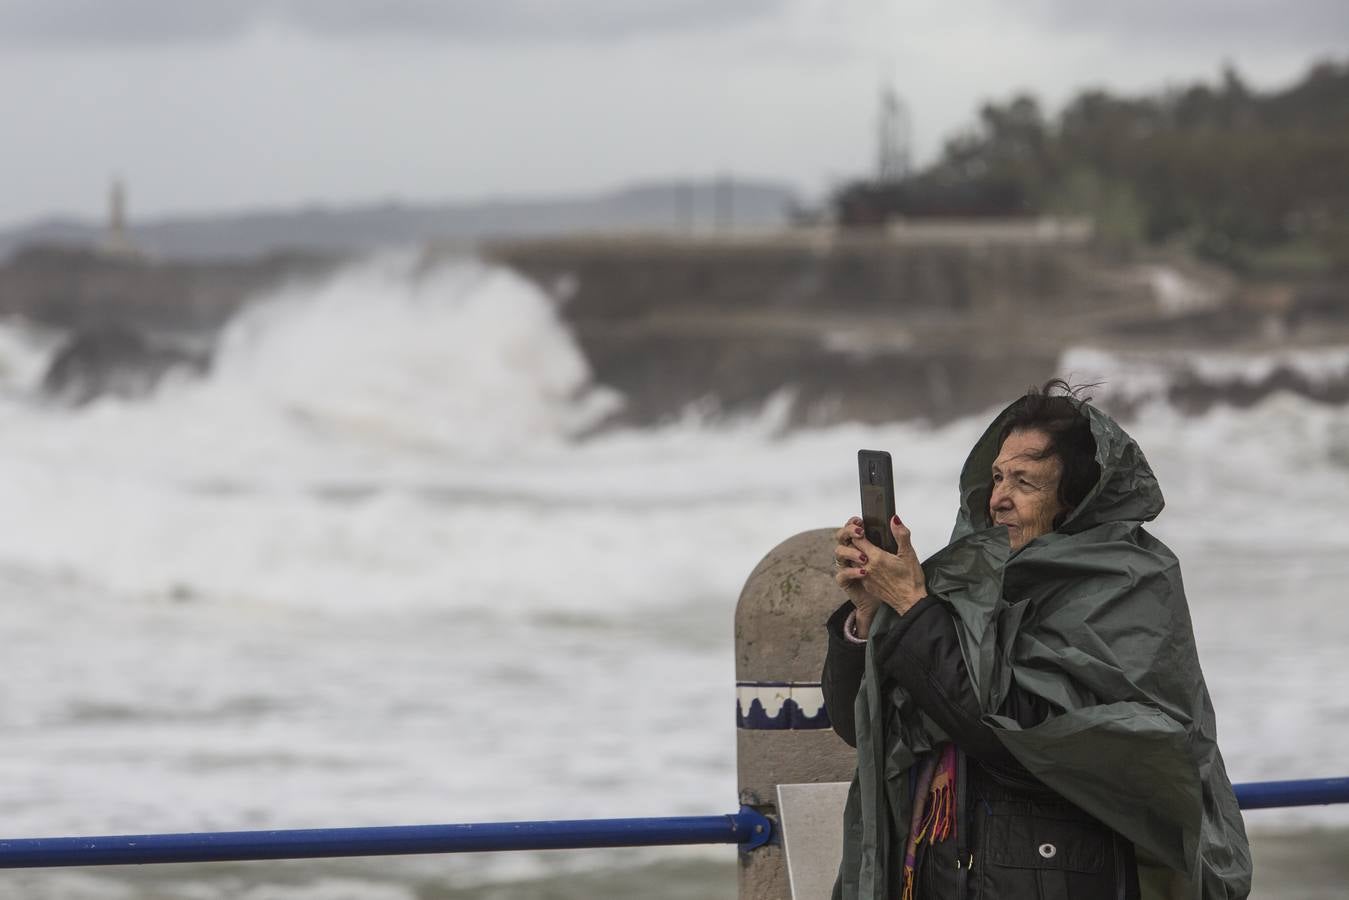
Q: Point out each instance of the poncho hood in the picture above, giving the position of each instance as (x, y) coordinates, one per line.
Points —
(1126, 491)
(1091, 618)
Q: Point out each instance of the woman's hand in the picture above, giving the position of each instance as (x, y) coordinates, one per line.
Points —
(849, 569)
(872, 576)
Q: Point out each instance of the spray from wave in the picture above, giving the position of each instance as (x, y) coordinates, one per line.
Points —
(462, 358)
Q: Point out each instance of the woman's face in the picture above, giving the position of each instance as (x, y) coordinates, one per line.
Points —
(1025, 494)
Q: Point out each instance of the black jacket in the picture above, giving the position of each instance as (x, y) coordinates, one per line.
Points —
(1014, 838)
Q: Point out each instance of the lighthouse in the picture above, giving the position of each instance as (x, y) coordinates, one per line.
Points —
(116, 243)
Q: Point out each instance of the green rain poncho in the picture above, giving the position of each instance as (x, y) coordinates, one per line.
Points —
(1092, 618)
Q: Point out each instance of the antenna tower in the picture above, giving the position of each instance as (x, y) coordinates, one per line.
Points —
(894, 135)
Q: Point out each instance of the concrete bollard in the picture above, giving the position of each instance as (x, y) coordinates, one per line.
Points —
(782, 729)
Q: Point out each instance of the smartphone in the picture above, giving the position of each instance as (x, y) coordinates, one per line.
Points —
(877, 480)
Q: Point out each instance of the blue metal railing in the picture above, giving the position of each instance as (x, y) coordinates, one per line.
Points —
(1307, 792)
(747, 828)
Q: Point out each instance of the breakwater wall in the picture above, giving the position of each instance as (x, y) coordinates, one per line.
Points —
(858, 327)
(846, 326)
(78, 289)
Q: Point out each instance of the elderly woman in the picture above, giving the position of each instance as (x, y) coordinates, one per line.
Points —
(1027, 705)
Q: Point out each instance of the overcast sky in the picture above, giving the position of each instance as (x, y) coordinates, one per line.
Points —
(206, 105)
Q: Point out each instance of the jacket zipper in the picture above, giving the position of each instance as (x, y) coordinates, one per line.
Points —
(1120, 883)
(962, 828)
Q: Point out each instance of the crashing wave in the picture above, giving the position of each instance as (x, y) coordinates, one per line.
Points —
(1195, 382)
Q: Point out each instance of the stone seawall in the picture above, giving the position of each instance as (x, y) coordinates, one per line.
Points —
(77, 289)
(632, 277)
(864, 327)
(859, 327)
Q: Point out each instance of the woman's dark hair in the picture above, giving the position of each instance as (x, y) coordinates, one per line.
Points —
(1056, 409)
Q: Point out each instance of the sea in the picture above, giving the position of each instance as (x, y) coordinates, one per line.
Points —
(387, 564)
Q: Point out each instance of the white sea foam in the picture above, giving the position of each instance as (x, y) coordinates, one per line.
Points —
(25, 350)
(367, 573)
(1177, 293)
(1145, 375)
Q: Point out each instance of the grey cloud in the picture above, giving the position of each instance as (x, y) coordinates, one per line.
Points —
(41, 21)
(1234, 24)
(161, 21)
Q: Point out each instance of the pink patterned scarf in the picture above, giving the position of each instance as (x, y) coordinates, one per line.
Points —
(934, 816)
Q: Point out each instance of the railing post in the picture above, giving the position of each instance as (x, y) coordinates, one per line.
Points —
(782, 730)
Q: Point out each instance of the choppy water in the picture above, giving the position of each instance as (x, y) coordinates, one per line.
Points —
(372, 572)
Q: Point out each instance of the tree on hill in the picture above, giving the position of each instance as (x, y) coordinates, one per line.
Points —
(1232, 172)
